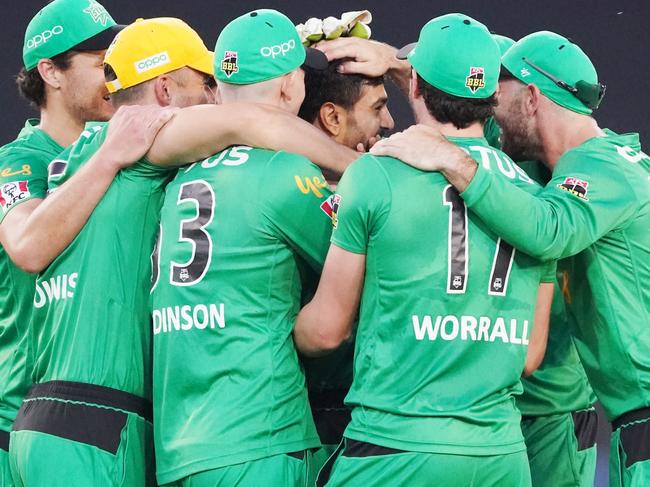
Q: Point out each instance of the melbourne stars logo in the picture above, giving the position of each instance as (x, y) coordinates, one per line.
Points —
(476, 79)
(97, 12)
(229, 63)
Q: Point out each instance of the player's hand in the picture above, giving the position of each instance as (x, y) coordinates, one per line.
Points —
(131, 132)
(369, 58)
(363, 148)
(419, 146)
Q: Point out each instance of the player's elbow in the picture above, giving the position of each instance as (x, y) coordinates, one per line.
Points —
(27, 259)
(322, 341)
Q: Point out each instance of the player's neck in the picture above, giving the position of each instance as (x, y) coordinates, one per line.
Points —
(60, 125)
(566, 134)
(449, 130)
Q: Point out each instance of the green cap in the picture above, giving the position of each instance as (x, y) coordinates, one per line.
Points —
(503, 42)
(559, 68)
(261, 45)
(457, 55)
(84, 25)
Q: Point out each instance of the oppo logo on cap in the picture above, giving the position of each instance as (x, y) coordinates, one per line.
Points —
(152, 62)
(44, 36)
(278, 49)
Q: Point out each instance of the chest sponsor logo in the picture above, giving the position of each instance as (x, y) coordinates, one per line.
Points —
(44, 36)
(7, 172)
(12, 193)
(55, 288)
(470, 328)
(475, 80)
(314, 185)
(331, 207)
(187, 317)
(575, 186)
(152, 62)
(229, 63)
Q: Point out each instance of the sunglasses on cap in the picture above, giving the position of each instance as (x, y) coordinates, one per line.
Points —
(589, 94)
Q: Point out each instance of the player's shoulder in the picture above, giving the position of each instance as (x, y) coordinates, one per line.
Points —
(608, 150)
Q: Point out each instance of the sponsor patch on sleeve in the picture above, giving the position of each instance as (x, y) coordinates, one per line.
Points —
(12, 193)
(575, 186)
(331, 206)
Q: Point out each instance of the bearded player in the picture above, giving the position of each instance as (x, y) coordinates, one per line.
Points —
(595, 208)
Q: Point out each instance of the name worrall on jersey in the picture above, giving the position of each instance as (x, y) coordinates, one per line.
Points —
(474, 328)
(187, 317)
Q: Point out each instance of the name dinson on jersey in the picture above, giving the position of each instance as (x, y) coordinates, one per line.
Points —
(185, 317)
(481, 328)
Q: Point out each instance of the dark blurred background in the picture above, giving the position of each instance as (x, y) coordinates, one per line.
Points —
(613, 33)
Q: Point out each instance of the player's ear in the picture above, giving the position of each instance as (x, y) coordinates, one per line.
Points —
(532, 99)
(162, 90)
(49, 73)
(414, 91)
(331, 118)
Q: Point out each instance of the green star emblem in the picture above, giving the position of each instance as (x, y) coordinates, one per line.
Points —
(97, 12)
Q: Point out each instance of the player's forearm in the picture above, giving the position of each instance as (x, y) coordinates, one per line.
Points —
(543, 228)
(314, 333)
(539, 335)
(198, 132)
(399, 71)
(460, 171)
(59, 218)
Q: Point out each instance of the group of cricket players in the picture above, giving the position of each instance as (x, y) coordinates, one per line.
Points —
(215, 271)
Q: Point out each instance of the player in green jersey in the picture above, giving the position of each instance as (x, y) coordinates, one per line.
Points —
(352, 110)
(63, 79)
(596, 208)
(88, 409)
(559, 422)
(444, 299)
(239, 230)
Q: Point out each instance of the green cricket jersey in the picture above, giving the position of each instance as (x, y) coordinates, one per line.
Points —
(446, 312)
(597, 208)
(236, 230)
(560, 384)
(91, 306)
(23, 176)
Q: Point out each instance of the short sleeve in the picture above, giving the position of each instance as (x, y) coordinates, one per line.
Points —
(295, 201)
(361, 204)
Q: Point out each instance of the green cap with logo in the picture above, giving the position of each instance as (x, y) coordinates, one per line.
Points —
(83, 25)
(261, 45)
(559, 68)
(457, 55)
(503, 42)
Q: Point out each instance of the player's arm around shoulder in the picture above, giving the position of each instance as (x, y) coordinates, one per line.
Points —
(41, 230)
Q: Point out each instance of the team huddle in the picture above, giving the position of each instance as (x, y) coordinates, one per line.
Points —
(217, 271)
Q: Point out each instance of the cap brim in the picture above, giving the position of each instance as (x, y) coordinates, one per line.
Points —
(315, 59)
(100, 41)
(205, 64)
(404, 52)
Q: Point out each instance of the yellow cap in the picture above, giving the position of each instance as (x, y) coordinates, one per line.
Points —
(149, 48)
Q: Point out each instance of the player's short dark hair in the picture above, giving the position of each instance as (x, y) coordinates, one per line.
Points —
(331, 86)
(30, 84)
(461, 112)
(506, 75)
